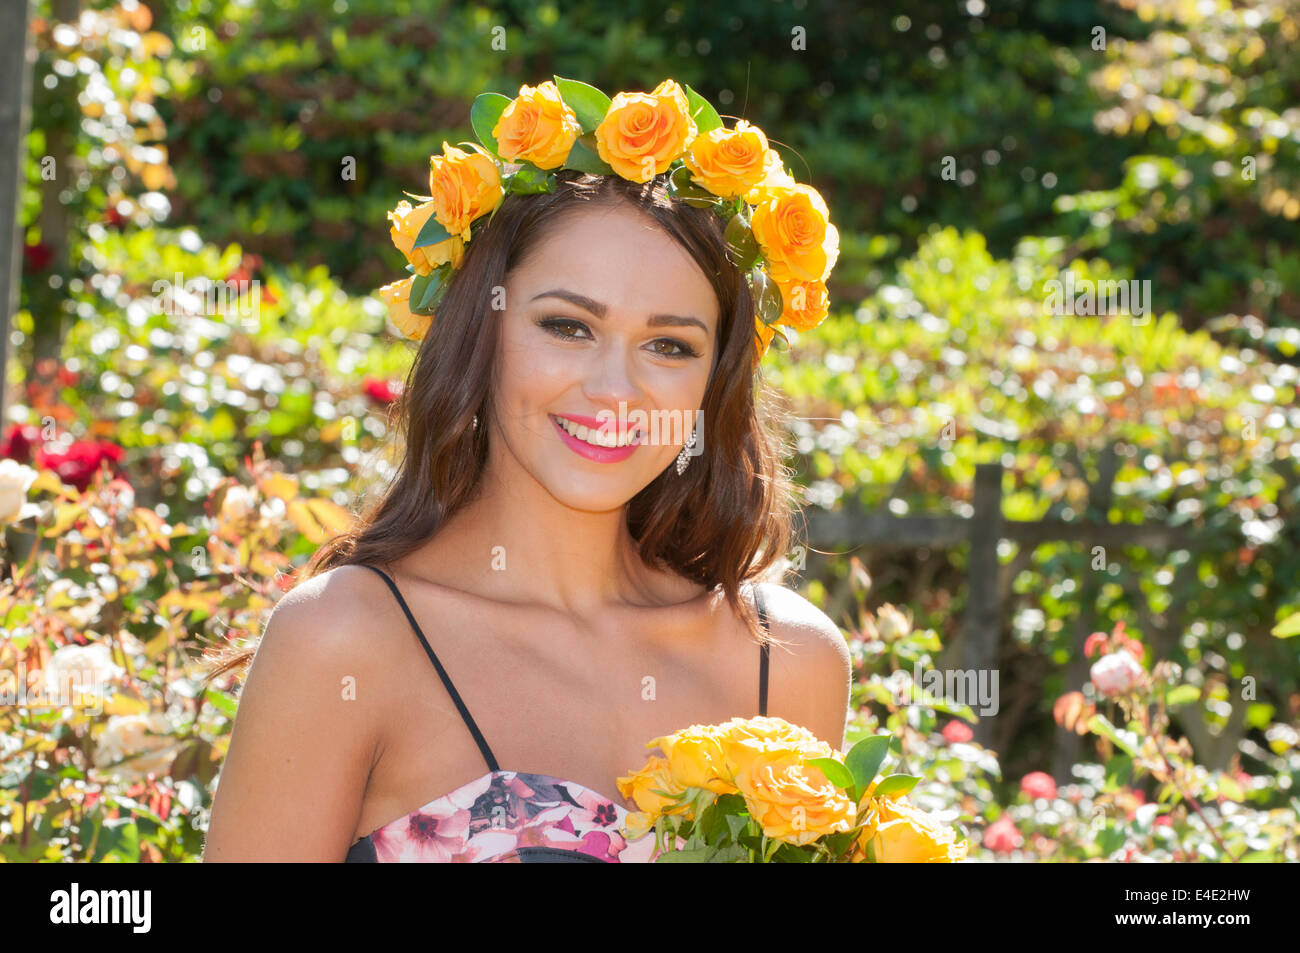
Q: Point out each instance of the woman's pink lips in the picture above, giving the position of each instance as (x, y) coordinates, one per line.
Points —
(591, 452)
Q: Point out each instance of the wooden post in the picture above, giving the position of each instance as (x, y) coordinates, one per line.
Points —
(15, 118)
(1076, 673)
(982, 623)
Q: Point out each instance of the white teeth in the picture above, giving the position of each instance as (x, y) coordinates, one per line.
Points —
(595, 437)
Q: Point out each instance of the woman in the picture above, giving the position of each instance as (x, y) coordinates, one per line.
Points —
(522, 601)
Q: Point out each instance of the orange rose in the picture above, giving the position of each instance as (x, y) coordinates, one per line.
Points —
(793, 229)
(775, 179)
(792, 801)
(397, 296)
(464, 185)
(729, 162)
(805, 304)
(642, 133)
(407, 223)
(640, 787)
(904, 834)
(696, 759)
(537, 127)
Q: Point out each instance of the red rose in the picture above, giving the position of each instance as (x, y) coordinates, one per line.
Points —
(1038, 784)
(1002, 836)
(81, 462)
(37, 256)
(382, 391)
(957, 732)
(18, 444)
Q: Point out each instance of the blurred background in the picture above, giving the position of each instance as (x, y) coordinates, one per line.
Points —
(993, 468)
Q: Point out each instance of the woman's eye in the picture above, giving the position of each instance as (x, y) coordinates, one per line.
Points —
(680, 348)
(554, 324)
(683, 349)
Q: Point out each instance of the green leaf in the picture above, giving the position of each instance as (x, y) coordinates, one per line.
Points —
(836, 773)
(587, 102)
(118, 836)
(696, 855)
(432, 233)
(530, 180)
(483, 116)
(705, 116)
(1100, 725)
(584, 158)
(767, 296)
(433, 290)
(864, 760)
(1288, 627)
(896, 784)
(742, 243)
(1182, 694)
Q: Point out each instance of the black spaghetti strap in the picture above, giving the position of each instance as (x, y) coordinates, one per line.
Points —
(762, 665)
(442, 673)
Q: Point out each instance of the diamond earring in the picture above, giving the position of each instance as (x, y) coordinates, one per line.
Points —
(475, 423)
(684, 457)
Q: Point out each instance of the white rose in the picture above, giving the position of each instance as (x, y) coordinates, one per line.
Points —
(238, 505)
(1116, 673)
(86, 667)
(129, 736)
(15, 480)
(892, 624)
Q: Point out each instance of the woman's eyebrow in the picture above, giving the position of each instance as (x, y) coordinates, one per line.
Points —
(600, 310)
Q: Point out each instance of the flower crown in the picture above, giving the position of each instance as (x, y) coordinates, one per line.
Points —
(778, 231)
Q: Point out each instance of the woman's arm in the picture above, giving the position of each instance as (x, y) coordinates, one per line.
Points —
(292, 783)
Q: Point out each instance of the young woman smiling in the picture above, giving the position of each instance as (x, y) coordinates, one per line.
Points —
(526, 595)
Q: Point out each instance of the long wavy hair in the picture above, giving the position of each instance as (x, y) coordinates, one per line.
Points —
(725, 522)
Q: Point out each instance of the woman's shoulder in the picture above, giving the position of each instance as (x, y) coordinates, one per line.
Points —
(332, 615)
(811, 667)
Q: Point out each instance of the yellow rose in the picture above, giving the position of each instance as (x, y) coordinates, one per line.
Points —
(397, 296)
(640, 787)
(729, 162)
(464, 185)
(745, 739)
(407, 222)
(904, 834)
(805, 304)
(775, 179)
(792, 801)
(642, 133)
(696, 759)
(537, 127)
(793, 229)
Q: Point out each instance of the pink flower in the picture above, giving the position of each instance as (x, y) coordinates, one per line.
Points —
(1038, 784)
(957, 732)
(1116, 674)
(1002, 836)
(1095, 641)
(1164, 820)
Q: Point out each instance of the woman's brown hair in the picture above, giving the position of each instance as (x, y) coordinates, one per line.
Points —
(724, 521)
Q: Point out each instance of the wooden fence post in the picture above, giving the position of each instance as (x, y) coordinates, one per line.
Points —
(982, 623)
(1076, 672)
(15, 117)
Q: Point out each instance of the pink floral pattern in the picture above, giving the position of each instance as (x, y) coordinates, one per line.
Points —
(492, 819)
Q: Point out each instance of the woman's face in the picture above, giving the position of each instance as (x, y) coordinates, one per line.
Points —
(610, 322)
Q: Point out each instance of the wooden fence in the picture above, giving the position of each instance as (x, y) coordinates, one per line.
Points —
(988, 583)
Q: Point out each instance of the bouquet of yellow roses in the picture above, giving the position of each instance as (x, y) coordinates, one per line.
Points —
(761, 790)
